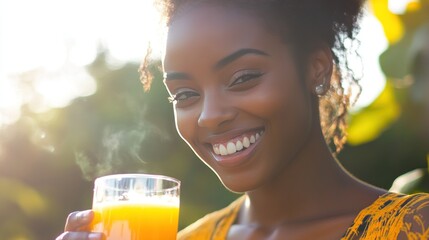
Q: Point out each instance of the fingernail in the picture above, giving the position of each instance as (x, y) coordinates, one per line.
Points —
(83, 216)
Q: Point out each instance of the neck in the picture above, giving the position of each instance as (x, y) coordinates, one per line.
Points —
(309, 188)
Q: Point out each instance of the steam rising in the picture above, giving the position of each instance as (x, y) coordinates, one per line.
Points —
(123, 150)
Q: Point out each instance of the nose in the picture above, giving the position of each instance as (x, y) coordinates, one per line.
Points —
(216, 111)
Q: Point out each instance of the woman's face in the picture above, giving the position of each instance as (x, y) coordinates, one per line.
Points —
(239, 101)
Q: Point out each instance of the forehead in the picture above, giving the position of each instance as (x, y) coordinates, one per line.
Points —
(204, 31)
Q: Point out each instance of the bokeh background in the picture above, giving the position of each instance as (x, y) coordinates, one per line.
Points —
(72, 108)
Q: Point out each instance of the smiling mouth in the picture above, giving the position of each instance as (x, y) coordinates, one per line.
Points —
(237, 144)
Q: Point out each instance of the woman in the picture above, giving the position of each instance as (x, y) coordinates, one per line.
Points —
(257, 93)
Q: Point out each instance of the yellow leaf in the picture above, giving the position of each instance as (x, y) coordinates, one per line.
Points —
(370, 122)
(392, 24)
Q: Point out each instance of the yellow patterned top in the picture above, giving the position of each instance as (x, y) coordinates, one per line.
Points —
(390, 216)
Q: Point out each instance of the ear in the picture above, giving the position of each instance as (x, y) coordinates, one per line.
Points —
(320, 70)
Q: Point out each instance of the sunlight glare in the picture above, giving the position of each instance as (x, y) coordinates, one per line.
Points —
(372, 43)
(10, 102)
(56, 39)
(58, 89)
(399, 6)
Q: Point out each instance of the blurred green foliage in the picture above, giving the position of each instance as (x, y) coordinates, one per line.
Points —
(390, 137)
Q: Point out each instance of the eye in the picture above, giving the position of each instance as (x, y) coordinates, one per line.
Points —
(245, 76)
(182, 96)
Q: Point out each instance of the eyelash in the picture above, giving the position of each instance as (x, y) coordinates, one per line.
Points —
(175, 98)
(246, 76)
(242, 78)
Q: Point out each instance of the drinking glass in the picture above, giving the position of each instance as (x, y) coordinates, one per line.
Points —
(136, 206)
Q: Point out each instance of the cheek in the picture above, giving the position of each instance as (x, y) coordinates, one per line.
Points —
(283, 109)
(278, 97)
(185, 124)
(187, 127)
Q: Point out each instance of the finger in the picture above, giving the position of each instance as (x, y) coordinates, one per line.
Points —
(80, 236)
(78, 220)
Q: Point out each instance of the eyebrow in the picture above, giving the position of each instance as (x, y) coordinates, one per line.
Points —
(220, 64)
(237, 54)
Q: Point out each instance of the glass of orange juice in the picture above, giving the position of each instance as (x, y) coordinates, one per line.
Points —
(136, 206)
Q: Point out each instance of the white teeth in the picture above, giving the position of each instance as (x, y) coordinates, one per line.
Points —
(238, 145)
(222, 150)
(246, 142)
(231, 148)
(216, 150)
(252, 139)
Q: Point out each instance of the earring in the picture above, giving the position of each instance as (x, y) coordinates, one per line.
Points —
(320, 89)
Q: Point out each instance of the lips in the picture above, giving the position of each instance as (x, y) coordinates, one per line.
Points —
(236, 144)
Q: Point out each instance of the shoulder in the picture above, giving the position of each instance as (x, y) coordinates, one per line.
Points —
(398, 205)
(217, 222)
(415, 224)
(395, 216)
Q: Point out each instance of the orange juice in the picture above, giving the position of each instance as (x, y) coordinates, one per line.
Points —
(129, 220)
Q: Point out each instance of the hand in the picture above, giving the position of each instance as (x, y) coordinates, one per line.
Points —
(77, 227)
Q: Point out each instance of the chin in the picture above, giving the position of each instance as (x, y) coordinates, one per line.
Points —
(237, 184)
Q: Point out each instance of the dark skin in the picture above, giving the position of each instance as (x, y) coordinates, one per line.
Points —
(225, 92)
(294, 185)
